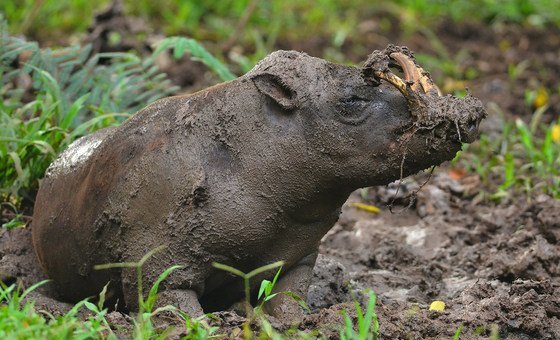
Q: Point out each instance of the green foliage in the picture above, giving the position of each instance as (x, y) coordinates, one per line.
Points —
(143, 325)
(68, 94)
(534, 12)
(247, 277)
(17, 220)
(144, 304)
(180, 45)
(523, 158)
(367, 324)
(198, 328)
(43, 18)
(458, 332)
(265, 290)
(20, 320)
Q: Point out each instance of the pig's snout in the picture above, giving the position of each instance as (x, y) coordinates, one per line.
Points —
(470, 112)
(428, 107)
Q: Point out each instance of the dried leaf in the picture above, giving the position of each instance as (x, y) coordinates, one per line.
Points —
(366, 207)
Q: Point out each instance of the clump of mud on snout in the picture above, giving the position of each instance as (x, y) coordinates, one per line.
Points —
(428, 107)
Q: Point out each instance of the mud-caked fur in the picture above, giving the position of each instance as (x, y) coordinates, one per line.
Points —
(244, 173)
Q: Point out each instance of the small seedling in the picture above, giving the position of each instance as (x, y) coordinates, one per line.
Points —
(246, 279)
(198, 328)
(265, 292)
(143, 326)
(17, 219)
(367, 325)
(266, 288)
(458, 333)
(20, 320)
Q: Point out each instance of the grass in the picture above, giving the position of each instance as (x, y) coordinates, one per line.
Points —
(206, 20)
(247, 278)
(367, 324)
(524, 158)
(52, 96)
(20, 319)
(70, 94)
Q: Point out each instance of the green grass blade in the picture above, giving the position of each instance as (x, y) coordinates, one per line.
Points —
(148, 305)
(73, 111)
(526, 138)
(265, 268)
(227, 268)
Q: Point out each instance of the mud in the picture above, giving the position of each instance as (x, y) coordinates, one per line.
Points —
(493, 266)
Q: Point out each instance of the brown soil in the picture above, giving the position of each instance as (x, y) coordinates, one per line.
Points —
(495, 266)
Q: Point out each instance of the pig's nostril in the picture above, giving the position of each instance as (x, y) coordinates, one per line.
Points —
(472, 126)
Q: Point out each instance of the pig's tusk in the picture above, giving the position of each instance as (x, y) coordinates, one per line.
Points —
(393, 80)
(411, 72)
(416, 75)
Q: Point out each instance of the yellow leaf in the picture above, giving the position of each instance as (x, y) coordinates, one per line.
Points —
(541, 99)
(366, 207)
(438, 306)
(556, 133)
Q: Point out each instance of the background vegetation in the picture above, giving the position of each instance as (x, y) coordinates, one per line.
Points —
(55, 88)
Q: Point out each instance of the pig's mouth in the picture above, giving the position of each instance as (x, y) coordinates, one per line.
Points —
(456, 118)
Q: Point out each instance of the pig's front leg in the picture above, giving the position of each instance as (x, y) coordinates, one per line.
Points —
(185, 300)
(295, 280)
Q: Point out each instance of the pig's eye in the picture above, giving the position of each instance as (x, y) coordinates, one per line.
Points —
(352, 110)
(352, 101)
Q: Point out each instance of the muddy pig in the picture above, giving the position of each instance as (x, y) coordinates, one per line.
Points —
(244, 173)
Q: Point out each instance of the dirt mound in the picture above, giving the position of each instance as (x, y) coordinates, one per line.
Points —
(493, 266)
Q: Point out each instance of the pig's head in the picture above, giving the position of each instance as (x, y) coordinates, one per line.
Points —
(366, 126)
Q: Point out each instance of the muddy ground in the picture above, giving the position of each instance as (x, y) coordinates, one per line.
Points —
(496, 266)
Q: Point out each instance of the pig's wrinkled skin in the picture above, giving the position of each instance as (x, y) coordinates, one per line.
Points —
(244, 173)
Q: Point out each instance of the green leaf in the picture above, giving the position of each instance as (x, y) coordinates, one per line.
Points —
(33, 287)
(263, 288)
(74, 109)
(91, 306)
(270, 297)
(15, 222)
(298, 299)
(197, 51)
(5, 292)
(180, 48)
(526, 138)
(17, 163)
(458, 333)
(101, 301)
(148, 305)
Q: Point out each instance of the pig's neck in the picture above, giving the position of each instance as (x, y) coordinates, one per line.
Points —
(253, 152)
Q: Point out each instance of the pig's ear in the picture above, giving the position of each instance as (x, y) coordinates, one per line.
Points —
(274, 88)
